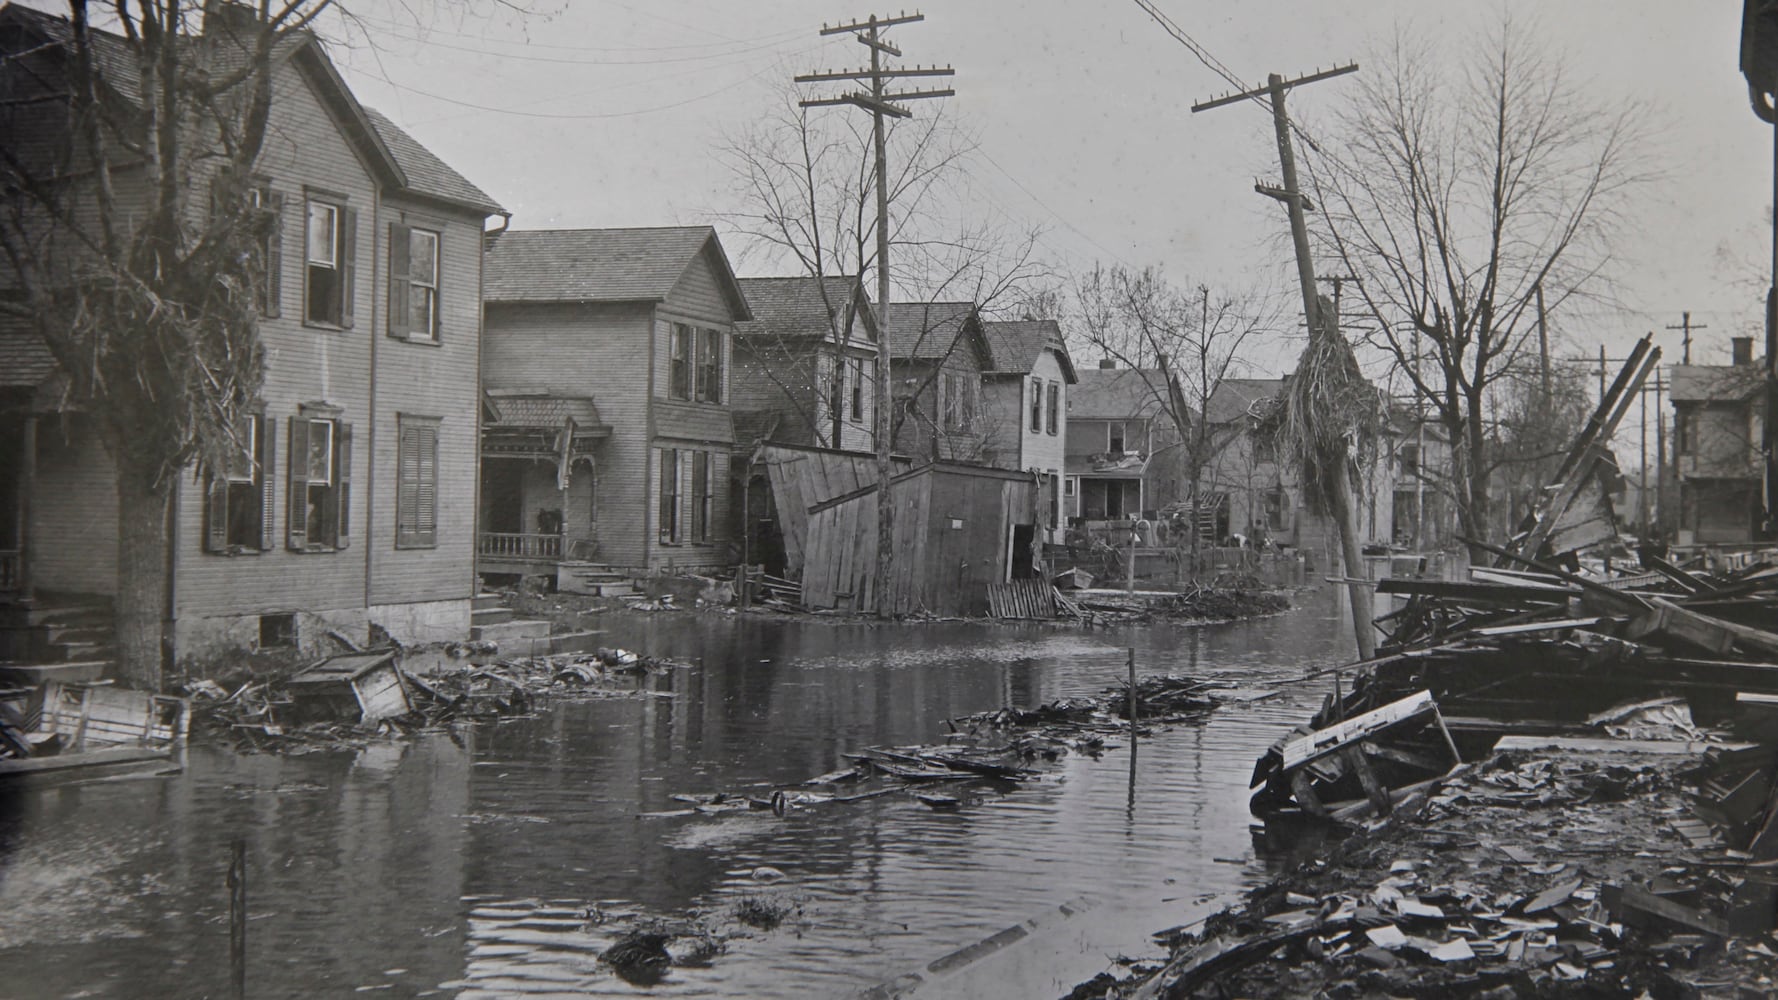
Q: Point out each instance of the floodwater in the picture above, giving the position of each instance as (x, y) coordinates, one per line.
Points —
(467, 867)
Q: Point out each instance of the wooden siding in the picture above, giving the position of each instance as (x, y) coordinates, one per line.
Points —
(693, 422)
(73, 529)
(698, 297)
(303, 147)
(597, 351)
(428, 380)
(803, 478)
(952, 534)
(790, 381)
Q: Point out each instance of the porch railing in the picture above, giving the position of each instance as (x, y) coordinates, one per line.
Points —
(12, 570)
(519, 546)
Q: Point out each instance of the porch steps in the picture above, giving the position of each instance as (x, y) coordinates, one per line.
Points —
(67, 637)
(490, 616)
(595, 579)
(484, 601)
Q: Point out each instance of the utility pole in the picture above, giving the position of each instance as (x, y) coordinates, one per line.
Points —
(1660, 457)
(880, 102)
(1685, 323)
(1543, 343)
(1297, 203)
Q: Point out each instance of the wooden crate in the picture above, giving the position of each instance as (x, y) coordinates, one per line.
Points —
(93, 715)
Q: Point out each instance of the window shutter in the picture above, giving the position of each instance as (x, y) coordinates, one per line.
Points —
(426, 507)
(268, 494)
(298, 529)
(216, 516)
(348, 264)
(406, 485)
(274, 257)
(400, 267)
(342, 491)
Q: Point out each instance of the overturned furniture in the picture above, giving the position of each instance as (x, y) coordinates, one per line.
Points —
(82, 732)
(351, 687)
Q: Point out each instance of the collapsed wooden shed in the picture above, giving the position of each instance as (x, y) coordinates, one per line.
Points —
(957, 529)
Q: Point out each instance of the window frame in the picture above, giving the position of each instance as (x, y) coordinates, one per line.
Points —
(319, 511)
(337, 313)
(406, 284)
(1037, 406)
(1122, 437)
(700, 497)
(257, 482)
(857, 375)
(1053, 409)
(668, 528)
(682, 343)
(707, 365)
(267, 204)
(416, 514)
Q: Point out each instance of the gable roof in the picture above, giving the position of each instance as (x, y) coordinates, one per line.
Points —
(1233, 397)
(540, 408)
(426, 174)
(599, 265)
(401, 161)
(1115, 394)
(929, 331)
(1015, 346)
(801, 307)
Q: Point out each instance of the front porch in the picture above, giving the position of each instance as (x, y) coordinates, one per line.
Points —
(538, 479)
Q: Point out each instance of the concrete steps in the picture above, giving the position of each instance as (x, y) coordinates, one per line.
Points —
(594, 579)
(64, 637)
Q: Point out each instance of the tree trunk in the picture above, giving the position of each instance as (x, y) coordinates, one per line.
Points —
(142, 540)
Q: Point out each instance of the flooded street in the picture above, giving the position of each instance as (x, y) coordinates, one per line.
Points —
(446, 868)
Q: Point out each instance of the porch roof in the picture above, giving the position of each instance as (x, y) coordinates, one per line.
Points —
(1085, 467)
(526, 410)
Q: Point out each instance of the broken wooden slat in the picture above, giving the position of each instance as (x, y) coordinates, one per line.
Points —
(1476, 591)
(1303, 749)
(1630, 905)
(1373, 788)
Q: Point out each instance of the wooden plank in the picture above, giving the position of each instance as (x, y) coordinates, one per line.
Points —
(1477, 591)
(1303, 790)
(1674, 622)
(1582, 744)
(1373, 788)
(1532, 627)
(1627, 904)
(1304, 749)
(1744, 635)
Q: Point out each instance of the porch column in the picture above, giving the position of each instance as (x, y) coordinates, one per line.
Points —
(27, 484)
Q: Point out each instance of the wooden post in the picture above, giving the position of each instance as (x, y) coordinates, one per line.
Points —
(1132, 651)
(237, 916)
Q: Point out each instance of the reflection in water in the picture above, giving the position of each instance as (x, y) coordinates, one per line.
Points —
(504, 863)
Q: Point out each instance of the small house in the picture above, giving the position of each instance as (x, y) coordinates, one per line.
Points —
(1025, 407)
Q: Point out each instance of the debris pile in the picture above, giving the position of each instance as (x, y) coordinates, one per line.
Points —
(346, 701)
(1575, 874)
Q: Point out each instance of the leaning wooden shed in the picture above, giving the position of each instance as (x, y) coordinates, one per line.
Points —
(957, 528)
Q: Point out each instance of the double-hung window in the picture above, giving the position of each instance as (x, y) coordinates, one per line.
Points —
(320, 482)
(416, 482)
(709, 387)
(959, 402)
(700, 496)
(857, 413)
(1036, 405)
(679, 372)
(1053, 410)
(669, 525)
(413, 282)
(330, 235)
(1114, 437)
(238, 512)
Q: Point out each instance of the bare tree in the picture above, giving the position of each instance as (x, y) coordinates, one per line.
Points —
(135, 242)
(1455, 184)
(1182, 345)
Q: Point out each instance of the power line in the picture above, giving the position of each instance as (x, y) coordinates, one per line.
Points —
(385, 22)
(518, 113)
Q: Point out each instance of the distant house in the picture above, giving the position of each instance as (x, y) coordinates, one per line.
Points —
(348, 504)
(1025, 407)
(938, 353)
(805, 364)
(1116, 428)
(607, 363)
(1717, 429)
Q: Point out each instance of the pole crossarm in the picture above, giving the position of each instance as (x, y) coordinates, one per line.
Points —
(865, 74)
(1264, 92)
(873, 23)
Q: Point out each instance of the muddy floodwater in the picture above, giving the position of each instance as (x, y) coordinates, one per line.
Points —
(467, 867)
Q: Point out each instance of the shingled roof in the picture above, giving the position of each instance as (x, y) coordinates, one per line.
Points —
(795, 307)
(1234, 397)
(1719, 383)
(533, 408)
(428, 175)
(598, 265)
(1015, 346)
(1115, 394)
(928, 331)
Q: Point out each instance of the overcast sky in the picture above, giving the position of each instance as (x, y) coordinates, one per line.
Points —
(607, 113)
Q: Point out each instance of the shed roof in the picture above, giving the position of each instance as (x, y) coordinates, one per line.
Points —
(1015, 346)
(516, 409)
(599, 265)
(800, 307)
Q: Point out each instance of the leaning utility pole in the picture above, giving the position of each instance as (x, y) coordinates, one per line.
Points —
(1346, 508)
(1685, 323)
(878, 102)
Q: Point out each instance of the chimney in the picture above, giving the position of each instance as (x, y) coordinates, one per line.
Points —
(231, 17)
(1107, 364)
(1743, 348)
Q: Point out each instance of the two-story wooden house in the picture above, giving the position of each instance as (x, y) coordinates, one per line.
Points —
(607, 362)
(1115, 428)
(1717, 429)
(1025, 407)
(804, 371)
(937, 355)
(346, 506)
